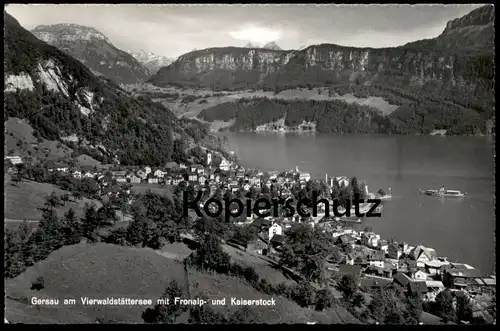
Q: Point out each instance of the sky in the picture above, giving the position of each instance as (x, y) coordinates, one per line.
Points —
(172, 30)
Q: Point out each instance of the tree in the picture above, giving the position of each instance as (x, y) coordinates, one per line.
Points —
(117, 237)
(252, 193)
(171, 232)
(217, 194)
(377, 307)
(107, 215)
(335, 194)
(303, 294)
(414, 308)
(245, 234)
(306, 249)
(243, 316)
(135, 233)
(464, 308)
(324, 299)
(395, 307)
(23, 231)
(47, 238)
(211, 256)
(444, 306)
(13, 263)
(90, 223)
(347, 286)
(355, 189)
(53, 201)
(143, 230)
(204, 314)
(251, 275)
(51, 228)
(164, 313)
(264, 189)
(229, 195)
(38, 284)
(362, 190)
(71, 228)
(190, 192)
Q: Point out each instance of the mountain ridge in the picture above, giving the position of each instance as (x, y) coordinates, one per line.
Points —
(95, 50)
(455, 67)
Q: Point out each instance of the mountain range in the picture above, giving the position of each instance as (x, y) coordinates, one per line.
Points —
(152, 61)
(93, 49)
(453, 72)
(60, 98)
(272, 45)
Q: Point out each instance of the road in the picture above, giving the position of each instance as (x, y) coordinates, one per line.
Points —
(8, 220)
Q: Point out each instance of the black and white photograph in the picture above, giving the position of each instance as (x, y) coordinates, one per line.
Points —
(249, 164)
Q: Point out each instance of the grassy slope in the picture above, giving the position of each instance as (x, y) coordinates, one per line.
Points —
(142, 188)
(22, 200)
(263, 267)
(19, 130)
(103, 270)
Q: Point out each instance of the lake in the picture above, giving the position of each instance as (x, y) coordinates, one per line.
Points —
(462, 229)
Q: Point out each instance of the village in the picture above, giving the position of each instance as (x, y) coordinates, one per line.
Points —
(376, 263)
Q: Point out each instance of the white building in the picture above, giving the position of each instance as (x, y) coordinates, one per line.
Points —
(147, 170)
(209, 159)
(88, 174)
(377, 263)
(14, 159)
(342, 181)
(275, 229)
(159, 173)
(420, 275)
(304, 176)
(224, 165)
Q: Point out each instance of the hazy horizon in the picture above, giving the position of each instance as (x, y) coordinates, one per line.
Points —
(173, 30)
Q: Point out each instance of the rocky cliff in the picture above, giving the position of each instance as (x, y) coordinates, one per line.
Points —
(93, 49)
(456, 66)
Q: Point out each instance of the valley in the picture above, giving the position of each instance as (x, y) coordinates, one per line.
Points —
(190, 102)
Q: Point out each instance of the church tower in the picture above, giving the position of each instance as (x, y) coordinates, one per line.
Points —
(209, 159)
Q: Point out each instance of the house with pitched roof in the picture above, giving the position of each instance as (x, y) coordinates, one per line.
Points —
(372, 282)
(422, 254)
(461, 278)
(401, 279)
(418, 287)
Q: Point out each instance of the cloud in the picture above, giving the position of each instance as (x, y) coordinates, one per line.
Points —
(256, 34)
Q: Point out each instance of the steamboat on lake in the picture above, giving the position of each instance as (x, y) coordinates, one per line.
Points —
(443, 193)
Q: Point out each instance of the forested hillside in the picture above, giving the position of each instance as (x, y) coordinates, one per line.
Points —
(341, 117)
(60, 97)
